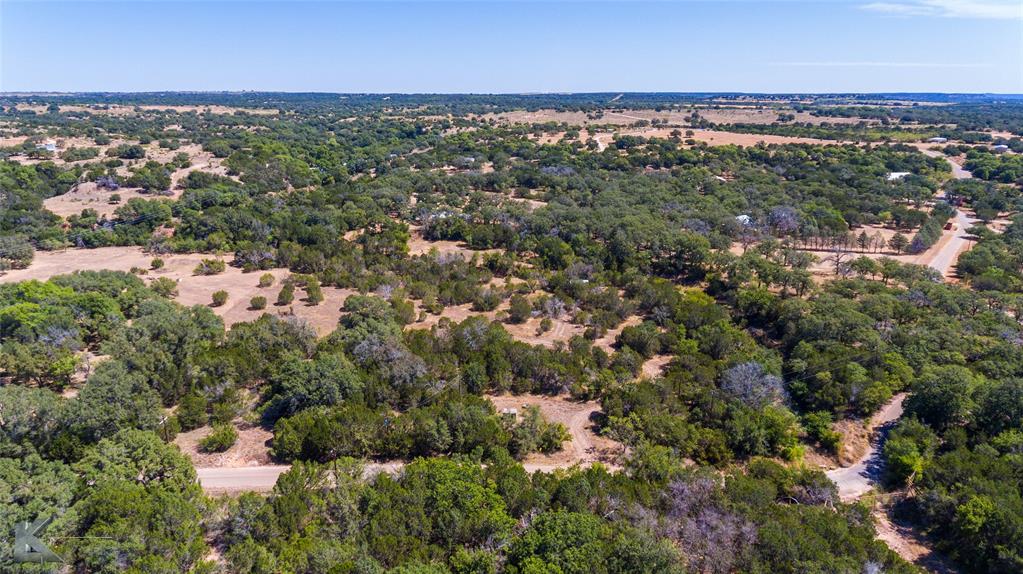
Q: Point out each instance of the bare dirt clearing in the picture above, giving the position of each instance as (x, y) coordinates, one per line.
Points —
(562, 329)
(192, 289)
(249, 450)
(503, 199)
(453, 313)
(417, 245)
(10, 141)
(738, 115)
(607, 341)
(716, 138)
(654, 366)
(89, 196)
(677, 117)
(709, 137)
(585, 447)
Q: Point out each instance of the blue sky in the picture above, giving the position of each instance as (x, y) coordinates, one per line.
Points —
(522, 46)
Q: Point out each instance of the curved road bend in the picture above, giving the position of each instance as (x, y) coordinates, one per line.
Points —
(856, 480)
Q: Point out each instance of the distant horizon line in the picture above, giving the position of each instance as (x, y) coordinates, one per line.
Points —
(482, 93)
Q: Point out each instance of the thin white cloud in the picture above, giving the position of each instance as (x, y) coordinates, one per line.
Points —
(877, 65)
(983, 9)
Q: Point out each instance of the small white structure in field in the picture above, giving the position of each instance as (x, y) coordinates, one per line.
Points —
(897, 175)
(1001, 148)
(744, 220)
(48, 145)
(937, 140)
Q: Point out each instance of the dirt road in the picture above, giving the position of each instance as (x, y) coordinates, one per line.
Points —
(856, 480)
(603, 140)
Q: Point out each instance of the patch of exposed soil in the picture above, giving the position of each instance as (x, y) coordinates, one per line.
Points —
(193, 289)
(607, 341)
(251, 449)
(905, 541)
(654, 366)
(585, 446)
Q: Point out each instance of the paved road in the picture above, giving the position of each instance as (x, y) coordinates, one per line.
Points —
(957, 172)
(949, 253)
(255, 478)
(263, 478)
(856, 480)
(944, 259)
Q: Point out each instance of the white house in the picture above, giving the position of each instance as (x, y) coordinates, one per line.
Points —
(937, 140)
(897, 175)
(48, 145)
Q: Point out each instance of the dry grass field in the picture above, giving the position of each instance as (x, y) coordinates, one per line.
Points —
(562, 329)
(718, 115)
(709, 137)
(88, 196)
(192, 289)
(122, 110)
(417, 245)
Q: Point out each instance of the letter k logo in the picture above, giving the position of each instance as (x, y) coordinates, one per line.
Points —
(28, 548)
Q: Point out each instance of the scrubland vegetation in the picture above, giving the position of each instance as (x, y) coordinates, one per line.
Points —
(767, 277)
